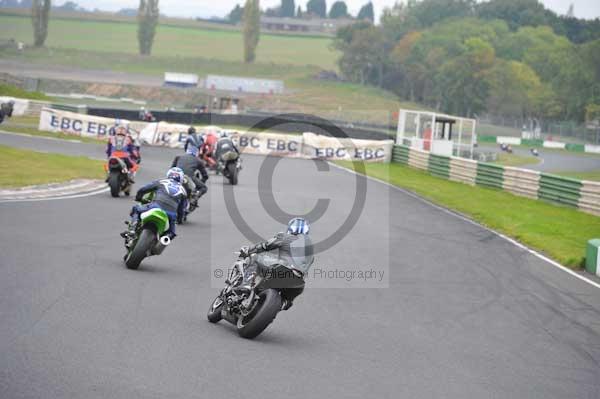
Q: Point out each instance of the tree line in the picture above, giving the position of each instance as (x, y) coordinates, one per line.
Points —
(511, 58)
(314, 9)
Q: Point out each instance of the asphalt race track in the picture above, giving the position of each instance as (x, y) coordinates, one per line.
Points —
(555, 160)
(466, 313)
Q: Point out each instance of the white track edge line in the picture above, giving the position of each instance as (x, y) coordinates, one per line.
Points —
(466, 219)
(88, 194)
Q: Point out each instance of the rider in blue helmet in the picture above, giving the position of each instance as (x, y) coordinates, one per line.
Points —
(193, 167)
(169, 195)
(286, 246)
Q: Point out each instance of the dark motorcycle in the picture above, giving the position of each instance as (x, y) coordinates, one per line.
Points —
(253, 304)
(192, 196)
(229, 165)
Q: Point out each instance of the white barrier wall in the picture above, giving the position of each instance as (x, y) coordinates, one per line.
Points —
(554, 144)
(592, 148)
(20, 107)
(306, 145)
(58, 121)
(508, 140)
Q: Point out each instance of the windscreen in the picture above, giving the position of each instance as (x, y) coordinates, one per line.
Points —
(302, 253)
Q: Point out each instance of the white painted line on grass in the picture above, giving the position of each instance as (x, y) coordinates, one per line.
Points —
(466, 219)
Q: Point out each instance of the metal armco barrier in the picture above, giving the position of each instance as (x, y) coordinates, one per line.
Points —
(583, 195)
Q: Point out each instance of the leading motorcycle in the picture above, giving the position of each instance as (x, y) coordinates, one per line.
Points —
(253, 304)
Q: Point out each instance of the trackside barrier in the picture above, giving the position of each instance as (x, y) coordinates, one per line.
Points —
(400, 154)
(589, 200)
(463, 170)
(560, 190)
(489, 175)
(439, 166)
(584, 195)
(521, 182)
(554, 144)
(418, 159)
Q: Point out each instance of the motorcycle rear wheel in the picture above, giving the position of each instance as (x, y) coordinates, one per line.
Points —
(233, 174)
(142, 246)
(267, 308)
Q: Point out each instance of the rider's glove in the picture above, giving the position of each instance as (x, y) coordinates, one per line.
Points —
(244, 252)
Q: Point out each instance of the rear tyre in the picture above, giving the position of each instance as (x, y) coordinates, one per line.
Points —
(142, 246)
(267, 308)
(233, 173)
(214, 311)
(114, 184)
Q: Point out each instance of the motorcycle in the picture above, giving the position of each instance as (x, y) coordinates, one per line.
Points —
(192, 196)
(229, 165)
(119, 176)
(148, 238)
(253, 305)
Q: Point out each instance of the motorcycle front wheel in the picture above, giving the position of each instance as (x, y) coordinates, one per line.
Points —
(114, 182)
(269, 304)
(214, 312)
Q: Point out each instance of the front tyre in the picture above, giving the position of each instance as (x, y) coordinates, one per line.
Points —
(269, 304)
(214, 311)
(114, 183)
(142, 246)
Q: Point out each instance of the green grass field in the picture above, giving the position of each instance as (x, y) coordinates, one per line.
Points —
(173, 41)
(41, 168)
(560, 232)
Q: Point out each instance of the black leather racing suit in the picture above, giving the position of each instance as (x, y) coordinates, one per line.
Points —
(190, 164)
(223, 145)
(286, 247)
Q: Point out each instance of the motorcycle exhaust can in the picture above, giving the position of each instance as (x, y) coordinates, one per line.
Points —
(165, 240)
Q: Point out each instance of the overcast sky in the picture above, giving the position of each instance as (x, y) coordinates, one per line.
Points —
(206, 8)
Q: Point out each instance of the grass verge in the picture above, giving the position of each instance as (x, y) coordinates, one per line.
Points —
(516, 160)
(7, 90)
(559, 232)
(20, 168)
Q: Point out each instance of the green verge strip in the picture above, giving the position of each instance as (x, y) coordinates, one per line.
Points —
(559, 232)
(20, 168)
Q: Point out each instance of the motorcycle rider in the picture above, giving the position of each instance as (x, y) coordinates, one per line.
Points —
(6, 110)
(190, 164)
(208, 148)
(169, 195)
(122, 146)
(224, 145)
(294, 243)
(193, 140)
